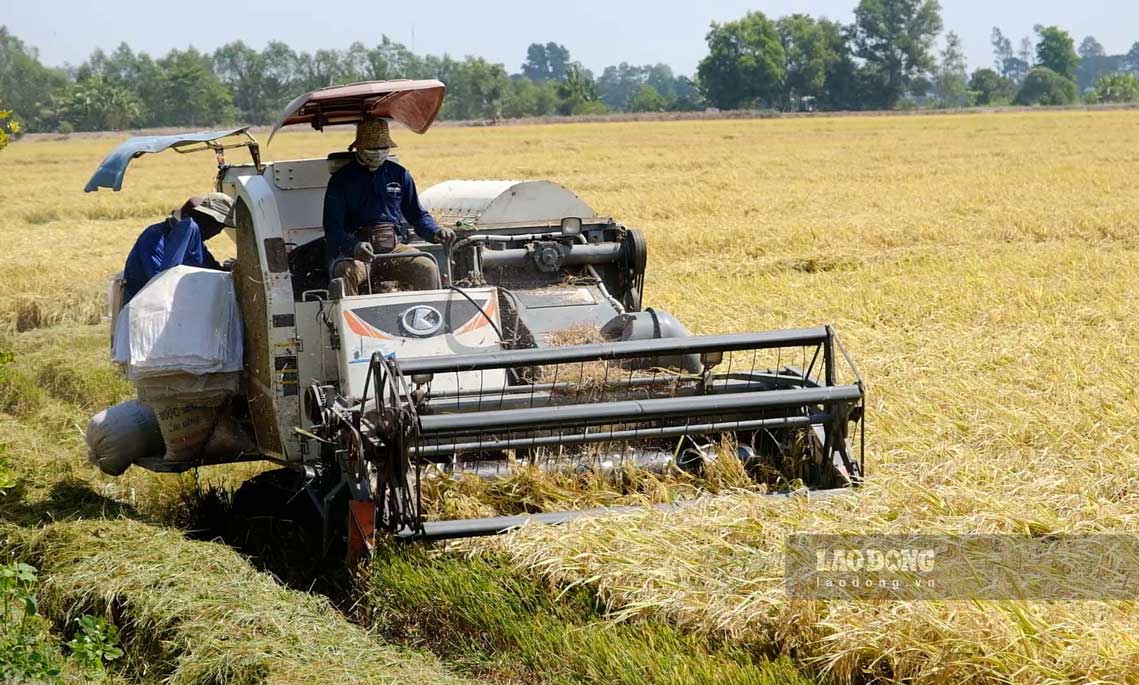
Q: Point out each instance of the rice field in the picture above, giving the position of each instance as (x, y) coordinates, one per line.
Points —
(980, 268)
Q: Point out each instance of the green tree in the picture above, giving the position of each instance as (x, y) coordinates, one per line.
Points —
(647, 99)
(526, 98)
(578, 92)
(987, 87)
(952, 79)
(1131, 59)
(1090, 47)
(278, 77)
(192, 95)
(390, 60)
(241, 69)
(1115, 88)
(477, 89)
(686, 95)
(895, 37)
(549, 62)
(558, 58)
(1026, 54)
(1055, 50)
(98, 105)
(1043, 86)
(1095, 62)
(27, 88)
(1002, 50)
(136, 73)
(745, 64)
(810, 55)
(618, 84)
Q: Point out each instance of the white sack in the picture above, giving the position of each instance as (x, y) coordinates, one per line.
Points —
(185, 320)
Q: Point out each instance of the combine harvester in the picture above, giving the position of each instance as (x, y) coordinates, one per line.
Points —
(367, 397)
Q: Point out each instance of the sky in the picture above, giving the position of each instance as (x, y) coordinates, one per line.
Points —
(597, 32)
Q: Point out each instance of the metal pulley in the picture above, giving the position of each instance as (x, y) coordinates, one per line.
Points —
(548, 256)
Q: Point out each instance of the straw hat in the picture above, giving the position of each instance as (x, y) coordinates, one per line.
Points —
(372, 133)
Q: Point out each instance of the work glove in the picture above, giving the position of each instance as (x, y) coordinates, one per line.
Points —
(363, 252)
(446, 236)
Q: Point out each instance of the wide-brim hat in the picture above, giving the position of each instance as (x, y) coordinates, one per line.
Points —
(372, 134)
(217, 206)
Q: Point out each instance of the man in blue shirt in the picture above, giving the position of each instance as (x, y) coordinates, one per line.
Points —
(364, 203)
(180, 239)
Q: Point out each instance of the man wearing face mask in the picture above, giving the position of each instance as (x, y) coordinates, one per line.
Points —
(364, 203)
(179, 239)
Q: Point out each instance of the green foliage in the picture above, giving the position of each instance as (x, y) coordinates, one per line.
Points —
(549, 62)
(477, 89)
(26, 654)
(98, 105)
(751, 62)
(1115, 88)
(191, 94)
(517, 625)
(1131, 59)
(26, 86)
(577, 91)
(647, 99)
(1055, 50)
(524, 97)
(1043, 86)
(95, 644)
(895, 38)
(987, 87)
(746, 63)
(1090, 48)
(8, 127)
(618, 84)
(952, 81)
(812, 49)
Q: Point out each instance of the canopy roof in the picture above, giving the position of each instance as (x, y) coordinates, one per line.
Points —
(112, 169)
(415, 104)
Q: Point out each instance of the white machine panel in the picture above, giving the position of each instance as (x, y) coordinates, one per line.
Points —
(419, 324)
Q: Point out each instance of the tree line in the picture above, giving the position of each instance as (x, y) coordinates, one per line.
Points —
(127, 89)
(892, 55)
(888, 58)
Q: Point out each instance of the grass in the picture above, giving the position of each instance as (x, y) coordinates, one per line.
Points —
(478, 611)
(980, 268)
(195, 612)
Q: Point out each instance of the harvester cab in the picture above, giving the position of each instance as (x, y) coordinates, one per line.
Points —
(535, 350)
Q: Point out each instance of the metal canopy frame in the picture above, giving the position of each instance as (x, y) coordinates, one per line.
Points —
(113, 168)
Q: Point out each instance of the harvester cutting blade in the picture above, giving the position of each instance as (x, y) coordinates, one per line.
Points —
(591, 402)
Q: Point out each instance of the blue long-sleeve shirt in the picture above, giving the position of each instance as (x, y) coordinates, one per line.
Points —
(162, 246)
(356, 197)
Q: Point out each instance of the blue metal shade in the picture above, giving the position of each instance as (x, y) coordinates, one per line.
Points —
(112, 169)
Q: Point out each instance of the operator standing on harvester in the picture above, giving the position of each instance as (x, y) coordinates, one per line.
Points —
(363, 206)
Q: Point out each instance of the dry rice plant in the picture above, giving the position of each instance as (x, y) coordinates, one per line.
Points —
(980, 268)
